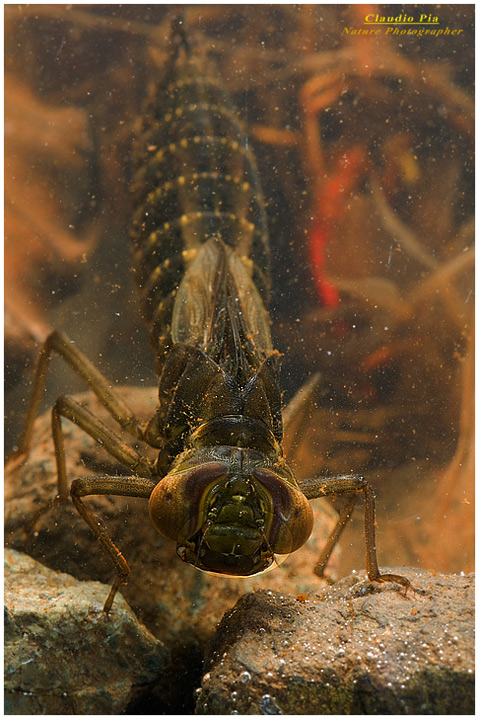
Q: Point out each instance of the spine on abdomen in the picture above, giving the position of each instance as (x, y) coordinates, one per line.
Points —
(195, 179)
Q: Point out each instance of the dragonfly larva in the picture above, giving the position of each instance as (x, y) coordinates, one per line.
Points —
(220, 486)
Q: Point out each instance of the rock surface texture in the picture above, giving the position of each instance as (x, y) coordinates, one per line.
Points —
(63, 655)
(357, 649)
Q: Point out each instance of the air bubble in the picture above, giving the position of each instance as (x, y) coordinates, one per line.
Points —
(268, 706)
(245, 677)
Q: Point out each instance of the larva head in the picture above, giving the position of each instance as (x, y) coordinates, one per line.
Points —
(229, 512)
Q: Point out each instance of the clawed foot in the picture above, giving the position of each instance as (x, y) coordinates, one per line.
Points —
(399, 579)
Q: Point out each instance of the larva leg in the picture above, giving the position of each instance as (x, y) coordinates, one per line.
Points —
(129, 486)
(59, 343)
(297, 411)
(351, 485)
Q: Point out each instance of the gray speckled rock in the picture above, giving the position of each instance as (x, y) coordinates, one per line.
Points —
(63, 655)
(357, 649)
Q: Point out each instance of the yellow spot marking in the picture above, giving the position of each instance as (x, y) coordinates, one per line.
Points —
(188, 255)
(155, 274)
(153, 238)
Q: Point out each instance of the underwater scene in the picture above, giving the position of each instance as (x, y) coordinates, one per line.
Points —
(251, 227)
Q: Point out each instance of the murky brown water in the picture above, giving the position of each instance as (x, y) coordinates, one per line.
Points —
(364, 145)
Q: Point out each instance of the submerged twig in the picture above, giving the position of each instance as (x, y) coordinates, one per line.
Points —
(402, 234)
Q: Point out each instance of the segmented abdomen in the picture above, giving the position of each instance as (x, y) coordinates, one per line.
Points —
(196, 179)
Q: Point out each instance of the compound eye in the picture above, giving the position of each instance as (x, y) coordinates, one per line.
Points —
(177, 502)
(292, 516)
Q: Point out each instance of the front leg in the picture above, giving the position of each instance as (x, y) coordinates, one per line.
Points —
(69, 408)
(351, 485)
(129, 486)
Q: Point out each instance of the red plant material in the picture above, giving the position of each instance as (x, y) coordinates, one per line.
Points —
(330, 206)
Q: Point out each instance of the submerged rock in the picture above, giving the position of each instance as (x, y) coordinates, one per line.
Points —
(63, 654)
(359, 648)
